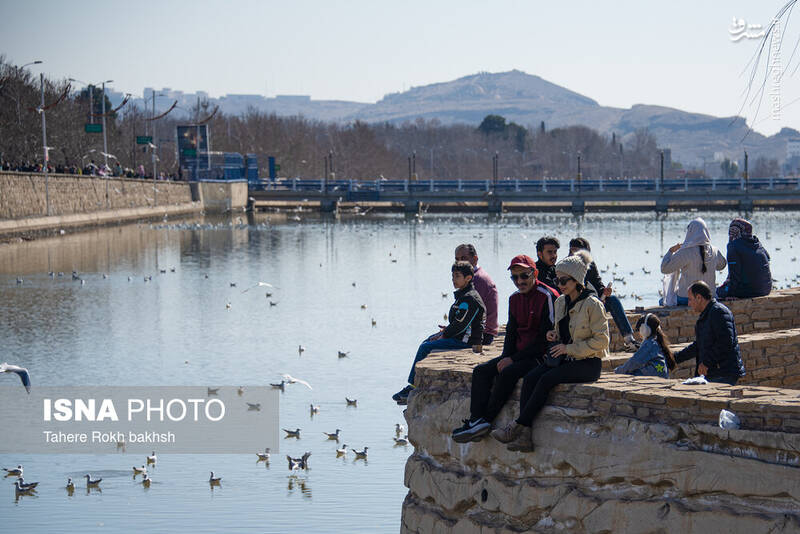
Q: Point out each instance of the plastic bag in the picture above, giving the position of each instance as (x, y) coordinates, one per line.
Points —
(728, 420)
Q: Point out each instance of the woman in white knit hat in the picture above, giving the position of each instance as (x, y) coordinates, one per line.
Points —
(578, 343)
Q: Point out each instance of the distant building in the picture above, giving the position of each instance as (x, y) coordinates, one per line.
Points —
(292, 99)
(792, 164)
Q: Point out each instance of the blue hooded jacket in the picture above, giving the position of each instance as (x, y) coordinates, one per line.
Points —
(649, 360)
(748, 268)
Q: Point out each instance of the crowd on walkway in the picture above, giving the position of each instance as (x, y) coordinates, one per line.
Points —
(558, 332)
(90, 169)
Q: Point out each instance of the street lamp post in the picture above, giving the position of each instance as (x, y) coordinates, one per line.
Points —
(44, 149)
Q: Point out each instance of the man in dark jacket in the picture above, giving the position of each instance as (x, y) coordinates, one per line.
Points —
(749, 274)
(547, 251)
(530, 316)
(716, 347)
(465, 326)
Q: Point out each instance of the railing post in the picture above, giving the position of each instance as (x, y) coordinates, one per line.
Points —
(713, 183)
(771, 183)
(544, 183)
(460, 186)
(294, 184)
(431, 184)
(601, 182)
(629, 183)
(572, 185)
(405, 185)
(685, 183)
(741, 184)
(487, 185)
(516, 185)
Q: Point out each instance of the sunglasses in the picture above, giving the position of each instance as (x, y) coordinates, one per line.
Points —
(562, 280)
(521, 276)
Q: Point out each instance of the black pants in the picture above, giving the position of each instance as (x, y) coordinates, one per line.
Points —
(537, 384)
(487, 399)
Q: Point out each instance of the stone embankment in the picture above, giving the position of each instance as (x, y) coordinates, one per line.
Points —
(90, 200)
(623, 454)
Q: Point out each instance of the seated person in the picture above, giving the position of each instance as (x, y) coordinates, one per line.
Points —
(654, 357)
(484, 286)
(611, 303)
(716, 346)
(465, 326)
(579, 343)
(694, 259)
(749, 274)
(530, 317)
(547, 251)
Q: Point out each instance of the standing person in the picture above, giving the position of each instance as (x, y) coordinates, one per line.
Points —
(694, 259)
(484, 286)
(579, 342)
(654, 357)
(547, 251)
(465, 326)
(749, 274)
(611, 302)
(716, 346)
(530, 317)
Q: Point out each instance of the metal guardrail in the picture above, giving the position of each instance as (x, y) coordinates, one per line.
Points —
(371, 189)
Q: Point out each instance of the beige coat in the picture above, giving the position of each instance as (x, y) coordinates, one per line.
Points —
(588, 327)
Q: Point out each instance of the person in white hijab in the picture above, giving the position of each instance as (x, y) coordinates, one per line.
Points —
(686, 263)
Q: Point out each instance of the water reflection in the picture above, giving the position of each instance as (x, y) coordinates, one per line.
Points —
(301, 483)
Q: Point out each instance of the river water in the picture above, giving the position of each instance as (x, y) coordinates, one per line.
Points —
(332, 278)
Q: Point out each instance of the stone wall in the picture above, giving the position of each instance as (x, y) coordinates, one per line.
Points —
(623, 454)
(779, 309)
(23, 195)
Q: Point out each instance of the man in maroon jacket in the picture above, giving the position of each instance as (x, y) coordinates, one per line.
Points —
(484, 286)
(530, 317)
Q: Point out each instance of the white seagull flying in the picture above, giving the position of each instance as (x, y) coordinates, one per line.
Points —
(23, 374)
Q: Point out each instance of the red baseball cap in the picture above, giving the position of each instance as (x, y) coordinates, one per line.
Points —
(523, 261)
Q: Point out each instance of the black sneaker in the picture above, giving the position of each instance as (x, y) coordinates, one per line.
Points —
(471, 430)
(401, 397)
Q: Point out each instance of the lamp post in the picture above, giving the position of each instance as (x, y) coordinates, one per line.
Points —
(105, 136)
(44, 149)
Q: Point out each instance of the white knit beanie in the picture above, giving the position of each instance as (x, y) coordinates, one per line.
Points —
(575, 266)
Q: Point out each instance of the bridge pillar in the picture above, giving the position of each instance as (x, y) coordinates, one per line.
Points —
(495, 205)
(411, 206)
(578, 206)
(328, 205)
(662, 205)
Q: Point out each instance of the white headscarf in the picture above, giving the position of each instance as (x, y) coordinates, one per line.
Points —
(696, 234)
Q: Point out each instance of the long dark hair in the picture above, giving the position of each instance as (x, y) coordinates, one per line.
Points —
(703, 258)
(661, 338)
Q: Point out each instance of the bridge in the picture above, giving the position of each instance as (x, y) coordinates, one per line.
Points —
(597, 194)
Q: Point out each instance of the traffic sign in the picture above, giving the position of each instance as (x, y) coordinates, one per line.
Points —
(93, 128)
(189, 152)
(277, 167)
(144, 139)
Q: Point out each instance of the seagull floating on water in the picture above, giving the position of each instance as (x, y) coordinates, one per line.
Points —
(14, 472)
(361, 454)
(292, 433)
(139, 470)
(314, 409)
(70, 485)
(351, 402)
(24, 485)
(334, 435)
(343, 354)
(292, 380)
(19, 490)
(152, 458)
(240, 391)
(212, 391)
(23, 374)
(298, 463)
(374, 322)
(214, 481)
(399, 429)
(254, 406)
(263, 456)
(280, 386)
(301, 349)
(342, 451)
(146, 481)
(401, 441)
(92, 483)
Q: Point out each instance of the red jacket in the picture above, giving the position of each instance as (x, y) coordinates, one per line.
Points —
(530, 316)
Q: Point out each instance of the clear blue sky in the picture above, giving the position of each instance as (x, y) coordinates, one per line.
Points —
(676, 54)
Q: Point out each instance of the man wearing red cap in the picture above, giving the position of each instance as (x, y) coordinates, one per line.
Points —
(530, 317)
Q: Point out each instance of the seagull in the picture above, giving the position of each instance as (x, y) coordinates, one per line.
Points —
(70, 485)
(227, 305)
(260, 284)
(25, 486)
(152, 458)
(146, 481)
(292, 380)
(351, 402)
(273, 303)
(334, 435)
(233, 284)
(374, 322)
(263, 456)
(361, 454)
(363, 306)
(240, 391)
(292, 433)
(20, 490)
(92, 483)
(162, 271)
(254, 406)
(343, 354)
(21, 372)
(298, 463)
(172, 269)
(268, 294)
(314, 409)
(214, 481)
(139, 470)
(213, 391)
(400, 441)
(399, 429)
(19, 280)
(280, 386)
(301, 349)
(354, 284)
(13, 472)
(342, 451)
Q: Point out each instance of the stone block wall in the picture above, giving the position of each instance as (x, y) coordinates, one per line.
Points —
(623, 454)
(23, 195)
(778, 310)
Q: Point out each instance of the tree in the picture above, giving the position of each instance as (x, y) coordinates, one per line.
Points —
(729, 168)
(492, 124)
(765, 168)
